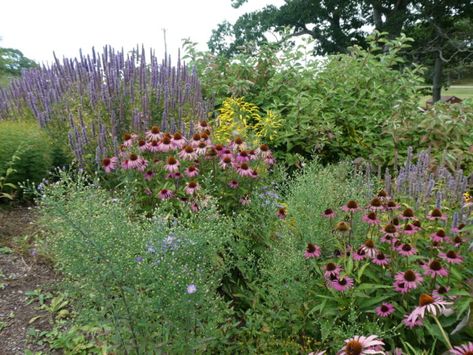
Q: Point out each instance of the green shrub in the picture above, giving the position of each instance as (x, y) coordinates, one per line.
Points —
(31, 145)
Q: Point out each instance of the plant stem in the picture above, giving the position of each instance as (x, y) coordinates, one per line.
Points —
(445, 336)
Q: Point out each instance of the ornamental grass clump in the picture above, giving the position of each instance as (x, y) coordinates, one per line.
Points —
(165, 168)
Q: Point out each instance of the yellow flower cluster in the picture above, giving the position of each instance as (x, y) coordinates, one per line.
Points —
(240, 118)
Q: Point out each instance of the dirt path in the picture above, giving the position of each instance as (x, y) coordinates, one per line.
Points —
(20, 271)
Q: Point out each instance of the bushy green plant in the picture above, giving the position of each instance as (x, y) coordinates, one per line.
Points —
(31, 145)
(155, 279)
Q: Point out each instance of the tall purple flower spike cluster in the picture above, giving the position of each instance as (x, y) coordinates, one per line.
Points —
(114, 92)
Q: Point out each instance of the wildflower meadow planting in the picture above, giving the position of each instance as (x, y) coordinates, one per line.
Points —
(295, 217)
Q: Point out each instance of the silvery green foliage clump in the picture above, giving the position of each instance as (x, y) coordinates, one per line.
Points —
(99, 96)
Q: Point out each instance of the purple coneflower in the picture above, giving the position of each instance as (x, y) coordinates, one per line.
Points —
(440, 292)
(225, 162)
(412, 323)
(233, 184)
(391, 205)
(342, 284)
(195, 140)
(142, 145)
(409, 229)
(400, 287)
(406, 249)
(191, 187)
(312, 251)
(174, 176)
(351, 206)
(428, 304)
(361, 345)
(238, 144)
(434, 269)
(165, 194)
(384, 310)
(127, 140)
(328, 213)
(201, 148)
(245, 201)
(148, 191)
(436, 214)
(457, 241)
(332, 270)
(439, 236)
(109, 164)
(242, 157)
(412, 279)
(281, 213)
(192, 171)
(263, 151)
(389, 239)
(165, 144)
(188, 153)
(380, 259)
(244, 170)
(269, 160)
(135, 161)
(342, 227)
(194, 207)
(154, 134)
(417, 225)
(172, 165)
(465, 349)
(178, 141)
(371, 218)
(408, 213)
(360, 254)
(152, 146)
(451, 257)
(458, 229)
(148, 176)
(369, 248)
(203, 126)
(375, 204)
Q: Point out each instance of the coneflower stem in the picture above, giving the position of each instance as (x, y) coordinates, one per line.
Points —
(445, 336)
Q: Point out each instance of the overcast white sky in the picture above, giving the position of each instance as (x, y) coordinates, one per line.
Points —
(39, 27)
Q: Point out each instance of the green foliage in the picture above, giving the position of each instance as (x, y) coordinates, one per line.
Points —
(137, 273)
(30, 145)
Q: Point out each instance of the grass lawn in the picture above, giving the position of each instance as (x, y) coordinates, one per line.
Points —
(461, 91)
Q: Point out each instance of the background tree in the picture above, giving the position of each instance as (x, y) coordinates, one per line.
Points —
(438, 28)
(12, 63)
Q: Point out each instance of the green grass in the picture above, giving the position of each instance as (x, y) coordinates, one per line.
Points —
(461, 91)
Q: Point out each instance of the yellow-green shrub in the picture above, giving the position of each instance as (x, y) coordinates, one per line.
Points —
(32, 145)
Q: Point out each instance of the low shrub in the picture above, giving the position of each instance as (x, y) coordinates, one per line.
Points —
(31, 145)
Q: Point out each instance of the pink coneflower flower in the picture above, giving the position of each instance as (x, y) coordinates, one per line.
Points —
(312, 251)
(195, 140)
(154, 134)
(376, 204)
(203, 126)
(143, 165)
(254, 174)
(417, 225)
(233, 184)
(125, 165)
(165, 144)
(142, 145)
(153, 146)
(135, 161)
(269, 160)
(389, 230)
(434, 269)
(409, 229)
(281, 213)
(465, 349)
(439, 236)
(328, 213)
(371, 218)
(201, 148)
(238, 144)
(458, 229)
(408, 213)
(242, 157)
(342, 284)
(360, 254)
(165, 194)
(451, 257)
(148, 176)
(430, 305)
(172, 165)
(391, 205)
(219, 148)
(383, 195)
(440, 292)
(457, 241)
(351, 206)
(380, 259)
(400, 287)
(191, 187)
(194, 207)
(244, 170)
(178, 141)
(406, 249)
(225, 162)
(388, 238)
(127, 140)
(109, 164)
(369, 248)
(436, 214)
(188, 153)
(263, 151)
(175, 176)
(412, 323)
(148, 191)
(245, 201)
(411, 278)
(332, 270)
(191, 171)
(361, 345)
(384, 310)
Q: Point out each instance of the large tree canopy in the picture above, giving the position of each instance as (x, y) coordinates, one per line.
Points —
(12, 63)
(438, 27)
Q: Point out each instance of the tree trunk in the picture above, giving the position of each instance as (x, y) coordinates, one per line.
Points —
(437, 80)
